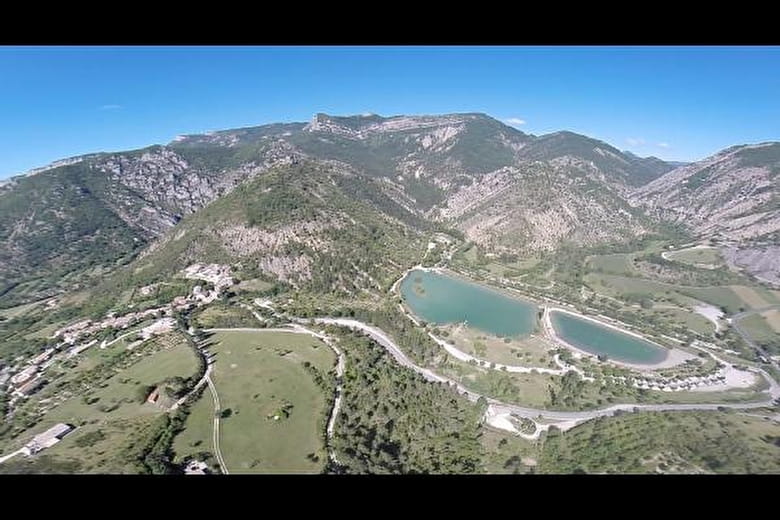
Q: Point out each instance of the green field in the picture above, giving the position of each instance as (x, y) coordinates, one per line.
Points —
(197, 435)
(19, 310)
(723, 297)
(507, 453)
(471, 254)
(531, 351)
(773, 319)
(691, 320)
(254, 285)
(703, 255)
(114, 411)
(613, 285)
(759, 329)
(612, 264)
(522, 389)
(220, 315)
(256, 375)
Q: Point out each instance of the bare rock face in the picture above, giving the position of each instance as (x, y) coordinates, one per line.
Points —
(290, 269)
(731, 195)
(168, 188)
(362, 127)
(155, 189)
(762, 261)
(535, 207)
(242, 241)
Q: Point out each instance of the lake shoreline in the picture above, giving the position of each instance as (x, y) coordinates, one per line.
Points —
(439, 298)
(673, 357)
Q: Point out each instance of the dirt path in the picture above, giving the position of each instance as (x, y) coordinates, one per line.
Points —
(341, 363)
(215, 436)
(10, 455)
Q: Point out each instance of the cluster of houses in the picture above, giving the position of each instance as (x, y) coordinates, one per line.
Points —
(216, 274)
(674, 385)
(29, 379)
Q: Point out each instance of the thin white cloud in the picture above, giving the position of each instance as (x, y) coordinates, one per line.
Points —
(515, 121)
(635, 141)
(664, 145)
(110, 107)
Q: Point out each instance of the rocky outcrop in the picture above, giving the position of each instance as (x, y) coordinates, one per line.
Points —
(762, 261)
(242, 241)
(730, 195)
(733, 197)
(504, 188)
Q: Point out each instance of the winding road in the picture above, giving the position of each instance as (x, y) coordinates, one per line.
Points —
(564, 420)
(498, 407)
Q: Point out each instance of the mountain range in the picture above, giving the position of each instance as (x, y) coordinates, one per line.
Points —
(344, 203)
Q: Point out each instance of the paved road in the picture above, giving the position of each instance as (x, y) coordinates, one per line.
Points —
(532, 413)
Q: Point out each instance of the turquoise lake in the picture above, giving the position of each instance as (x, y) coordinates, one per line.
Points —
(440, 299)
(597, 339)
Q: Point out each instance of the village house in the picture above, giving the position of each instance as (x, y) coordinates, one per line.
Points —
(47, 439)
(30, 387)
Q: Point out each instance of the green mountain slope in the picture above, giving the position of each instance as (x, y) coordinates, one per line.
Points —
(299, 224)
(71, 223)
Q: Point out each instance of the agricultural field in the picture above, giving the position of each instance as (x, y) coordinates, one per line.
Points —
(772, 318)
(759, 329)
(471, 254)
(689, 319)
(732, 298)
(699, 255)
(254, 285)
(19, 310)
(220, 315)
(755, 297)
(273, 412)
(522, 389)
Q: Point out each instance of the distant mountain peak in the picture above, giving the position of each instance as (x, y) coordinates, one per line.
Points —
(363, 125)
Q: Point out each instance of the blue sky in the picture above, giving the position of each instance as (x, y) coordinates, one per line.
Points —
(675, 103)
